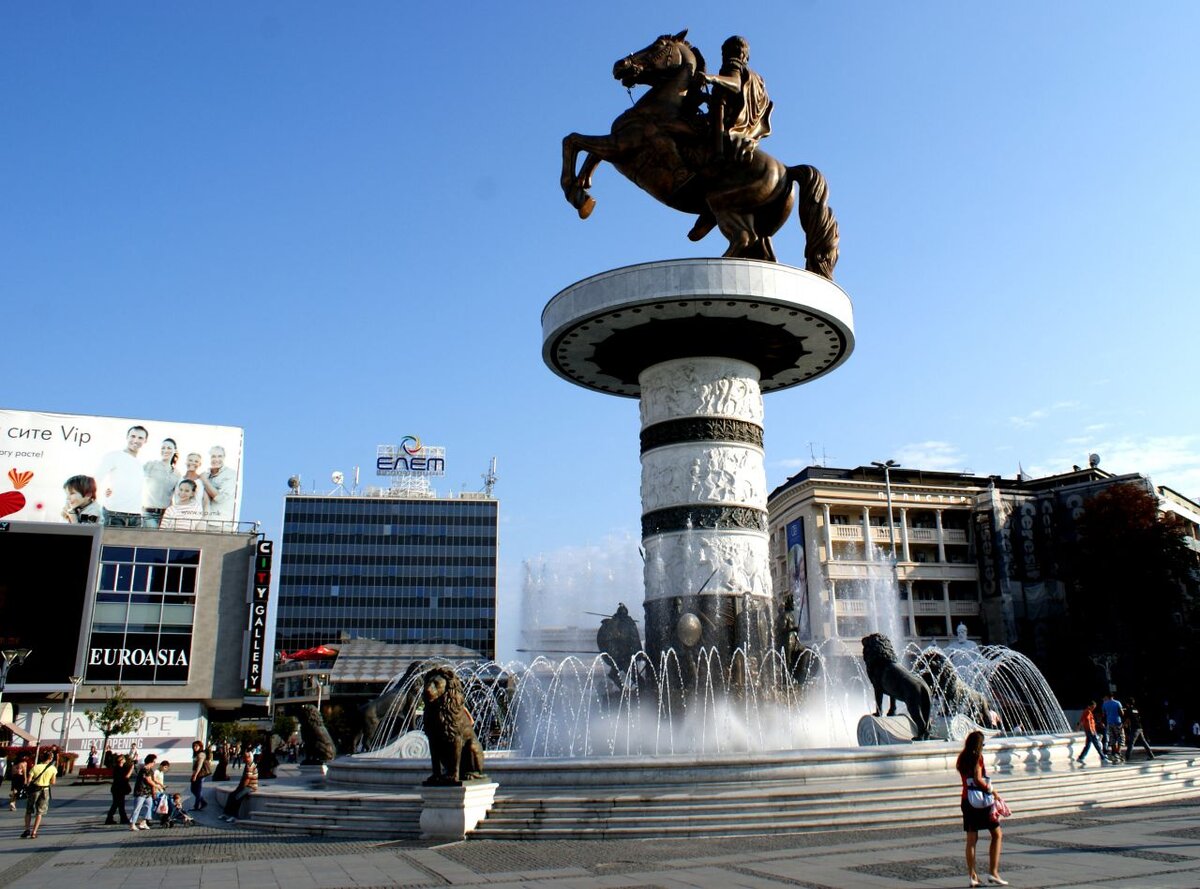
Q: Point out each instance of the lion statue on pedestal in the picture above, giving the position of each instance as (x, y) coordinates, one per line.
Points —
(888, 677)
(456, 753)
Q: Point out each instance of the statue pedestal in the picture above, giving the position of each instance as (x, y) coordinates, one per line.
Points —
(876, 730)
(698, 342)
(450, 813)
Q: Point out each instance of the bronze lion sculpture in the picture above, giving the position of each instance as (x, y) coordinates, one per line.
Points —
(456, 753)
(888, 677)
(956, 696)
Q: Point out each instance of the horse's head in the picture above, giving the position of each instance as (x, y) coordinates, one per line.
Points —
(663, 57)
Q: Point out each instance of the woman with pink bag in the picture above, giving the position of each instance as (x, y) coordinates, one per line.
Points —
(979, 809)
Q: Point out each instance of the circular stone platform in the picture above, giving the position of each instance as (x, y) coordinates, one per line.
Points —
(603, 331)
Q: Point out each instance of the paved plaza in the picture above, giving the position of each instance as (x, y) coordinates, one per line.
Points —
(1143, 847)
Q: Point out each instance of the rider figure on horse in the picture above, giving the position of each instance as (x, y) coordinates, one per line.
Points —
(739, 107)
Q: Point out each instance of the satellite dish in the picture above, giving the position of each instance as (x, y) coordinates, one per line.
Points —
(294, 484)
(337, 477)
(1094, 461)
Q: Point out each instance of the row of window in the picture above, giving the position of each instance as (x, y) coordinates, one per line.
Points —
(349, 517)
(352, 532)
(409, 599)
(383, 554)
(127, 578)
(150, 555)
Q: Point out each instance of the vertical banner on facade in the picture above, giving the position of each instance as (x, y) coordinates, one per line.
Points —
(261, 592)
(798, 578)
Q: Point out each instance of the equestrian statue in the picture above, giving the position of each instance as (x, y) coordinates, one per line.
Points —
(705, 162)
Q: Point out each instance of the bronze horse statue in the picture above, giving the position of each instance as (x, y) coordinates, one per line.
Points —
(664, 145)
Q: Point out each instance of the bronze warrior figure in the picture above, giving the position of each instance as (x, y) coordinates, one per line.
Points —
(709, 164)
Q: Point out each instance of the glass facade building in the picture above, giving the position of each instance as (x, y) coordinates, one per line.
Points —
(393, 569)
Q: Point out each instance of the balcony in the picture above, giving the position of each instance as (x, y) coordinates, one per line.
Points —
(861, 569)
(879, 534)
(921, 608)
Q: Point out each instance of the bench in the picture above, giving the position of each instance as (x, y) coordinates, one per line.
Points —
(96, 774)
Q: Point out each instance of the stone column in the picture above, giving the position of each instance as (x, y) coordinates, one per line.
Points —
(904, 534)
(868, 540)
(941, 538)
(704, 506)
(828, 533)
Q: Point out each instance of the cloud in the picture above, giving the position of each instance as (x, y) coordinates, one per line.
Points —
(1171, 460)
(932, 455)
(1034, 417)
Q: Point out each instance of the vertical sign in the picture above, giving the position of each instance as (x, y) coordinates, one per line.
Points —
(798, 578)
(258, 616)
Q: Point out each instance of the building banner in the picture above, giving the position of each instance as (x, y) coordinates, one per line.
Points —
(74, 468)
(163, 728)
(798, 577)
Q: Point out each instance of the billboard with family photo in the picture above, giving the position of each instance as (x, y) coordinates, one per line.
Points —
(80, 469)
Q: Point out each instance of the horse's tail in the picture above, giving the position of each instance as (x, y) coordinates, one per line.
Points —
(817, 220)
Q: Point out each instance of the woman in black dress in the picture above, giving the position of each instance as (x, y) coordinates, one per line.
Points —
(121, 788)
(974, 777)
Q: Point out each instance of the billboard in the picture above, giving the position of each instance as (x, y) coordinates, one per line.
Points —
(44, 594)
(798, 578)
(78, 469)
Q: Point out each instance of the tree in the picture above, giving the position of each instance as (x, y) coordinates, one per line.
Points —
(116, 717)
(1132, 592)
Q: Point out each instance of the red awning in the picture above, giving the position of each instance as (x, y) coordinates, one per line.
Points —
(308, 654)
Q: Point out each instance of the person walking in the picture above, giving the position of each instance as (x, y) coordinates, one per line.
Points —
(201, 769)
(222, 769)
(121, 787)
(1134, 732)
(41, 778)
(976, 818)
(1112, 727)
(18, 775)
(246, 786)
(143, 791)
(1087, 724)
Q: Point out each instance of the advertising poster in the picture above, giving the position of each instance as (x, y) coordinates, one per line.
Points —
(165, 729)
(78, 469)
(798, 576)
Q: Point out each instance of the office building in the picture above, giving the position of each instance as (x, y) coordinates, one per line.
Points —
(391, 566)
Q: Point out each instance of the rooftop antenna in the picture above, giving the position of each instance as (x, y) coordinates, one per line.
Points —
(490, 478)
(355, 479)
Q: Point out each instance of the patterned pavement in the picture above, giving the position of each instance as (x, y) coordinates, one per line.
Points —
(1143, 847)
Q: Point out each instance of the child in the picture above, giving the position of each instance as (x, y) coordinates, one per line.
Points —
(81, 508)
(177, 816)
(180, 515)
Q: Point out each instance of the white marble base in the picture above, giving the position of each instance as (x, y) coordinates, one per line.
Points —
(450, 813)
(876, 730)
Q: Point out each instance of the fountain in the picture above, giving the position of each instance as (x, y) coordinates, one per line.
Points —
(711, 713)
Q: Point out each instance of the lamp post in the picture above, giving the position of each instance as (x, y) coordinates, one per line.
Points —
(42, 710)
(887, 467)
(12, 657)
(66, 732)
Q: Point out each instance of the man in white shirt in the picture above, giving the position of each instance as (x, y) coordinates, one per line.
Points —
(220, 484)
(119, 480)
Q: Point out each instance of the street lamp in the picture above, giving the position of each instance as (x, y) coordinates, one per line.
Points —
(887, 483)
(13, 657)
(42, 710)
(66, 732)
(887, 468)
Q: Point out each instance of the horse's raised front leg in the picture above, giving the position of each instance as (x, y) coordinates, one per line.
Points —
(576, 185)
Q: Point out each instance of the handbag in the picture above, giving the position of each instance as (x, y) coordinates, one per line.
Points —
(978, 798)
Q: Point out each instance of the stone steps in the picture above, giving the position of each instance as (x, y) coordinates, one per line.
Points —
(1036, 779)
(758, 810)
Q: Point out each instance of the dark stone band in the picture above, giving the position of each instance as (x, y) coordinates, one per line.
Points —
(703, 518)
(691, 429)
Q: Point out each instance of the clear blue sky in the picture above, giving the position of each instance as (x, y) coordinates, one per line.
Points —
(337, 224)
